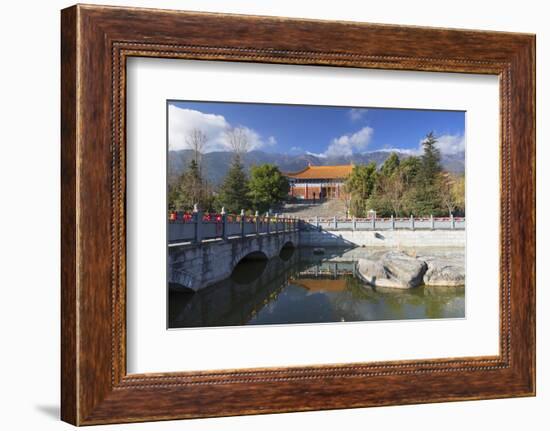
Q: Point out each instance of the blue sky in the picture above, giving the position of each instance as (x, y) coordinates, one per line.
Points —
(325, 131)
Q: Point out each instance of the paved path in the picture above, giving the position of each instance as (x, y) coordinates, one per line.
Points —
(330, 208)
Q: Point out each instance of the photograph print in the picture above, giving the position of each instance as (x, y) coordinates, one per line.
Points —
(295, 214)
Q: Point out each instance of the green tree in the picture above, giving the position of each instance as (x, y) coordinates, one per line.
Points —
(427, 197)
(268, 187)
(390, 188)
(390, 165)
(360, 185)
(430, 167)
(410, 169)
(234, 191)
(188, 190)
(389, 197)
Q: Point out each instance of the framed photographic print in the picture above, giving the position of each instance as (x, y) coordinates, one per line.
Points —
(264, 215)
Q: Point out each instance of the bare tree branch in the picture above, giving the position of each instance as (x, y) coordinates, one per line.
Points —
(196, 141)
(238, 140)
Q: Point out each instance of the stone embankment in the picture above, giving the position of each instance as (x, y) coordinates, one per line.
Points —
(384, 239)
(396, 269)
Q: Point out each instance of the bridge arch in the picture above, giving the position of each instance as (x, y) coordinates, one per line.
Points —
(250, 255)
(287, 250)
(249, 267)
(197, 266)
(288, 244)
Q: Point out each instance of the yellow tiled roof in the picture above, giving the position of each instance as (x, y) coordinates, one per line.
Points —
(321, 172)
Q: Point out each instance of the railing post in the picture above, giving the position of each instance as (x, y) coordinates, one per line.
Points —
(277, 223)
(224, 225)
(335, 223)
(198, 223)
(374, 221)
(317, 221)
(242, 223)
(392, 222)
(432, 221)
(267, 226)
(257, 221)
(452, 221)
(412, 222)
(354, 223)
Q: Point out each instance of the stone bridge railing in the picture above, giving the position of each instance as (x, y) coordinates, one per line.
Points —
(198, 226)
(389, 223)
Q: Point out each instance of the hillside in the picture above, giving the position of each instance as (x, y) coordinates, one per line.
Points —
(216, 164)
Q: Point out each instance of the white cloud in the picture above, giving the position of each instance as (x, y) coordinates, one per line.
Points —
(346, 145)
(447, 144)
(355, 114)
(182, 121)
(451, 144)
(255, 141)
(321, 155)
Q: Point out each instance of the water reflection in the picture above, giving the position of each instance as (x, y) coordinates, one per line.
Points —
(300, 287)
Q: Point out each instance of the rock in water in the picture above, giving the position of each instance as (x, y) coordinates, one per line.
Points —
(445, 273)
(405, 268)
(373, 273)
(395, 269)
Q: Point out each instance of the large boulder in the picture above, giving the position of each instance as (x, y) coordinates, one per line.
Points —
(445, 272)
(373, 273)
(394, 269)
(405, 268)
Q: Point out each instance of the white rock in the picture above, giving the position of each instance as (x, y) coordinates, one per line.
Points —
(445, 272)
(394, 269)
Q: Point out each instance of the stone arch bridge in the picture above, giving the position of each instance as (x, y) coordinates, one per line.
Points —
(195, 265)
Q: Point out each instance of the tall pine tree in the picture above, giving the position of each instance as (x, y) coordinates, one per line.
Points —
(431, 167)
(427, 199)
(234, 191)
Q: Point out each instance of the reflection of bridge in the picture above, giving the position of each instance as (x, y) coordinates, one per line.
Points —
(232, 302)
(329, 269)
(203, 251)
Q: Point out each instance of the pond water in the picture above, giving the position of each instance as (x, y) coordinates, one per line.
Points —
(302, 287)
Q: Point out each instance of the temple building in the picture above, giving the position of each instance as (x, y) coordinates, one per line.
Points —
(319, 182)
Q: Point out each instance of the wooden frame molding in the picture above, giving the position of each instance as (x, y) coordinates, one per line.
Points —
(95, 43)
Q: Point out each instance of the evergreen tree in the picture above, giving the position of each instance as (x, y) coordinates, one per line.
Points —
(391, 165)
(189, 189)
(431, 167)
(427, 198)
(268, 187)
(234, 191)
(410, 169)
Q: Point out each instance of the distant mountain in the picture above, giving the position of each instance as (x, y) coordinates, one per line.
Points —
(216, 164)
